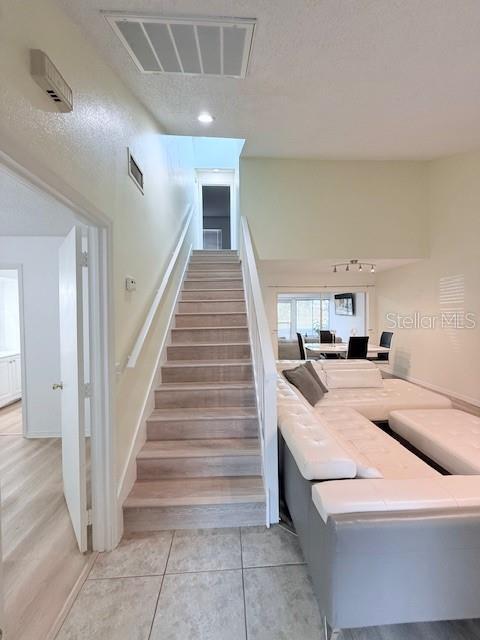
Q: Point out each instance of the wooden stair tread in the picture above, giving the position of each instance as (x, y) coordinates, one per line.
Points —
(211, 291)
(214, 447)
(206, 363)
(196, 491)
(210, 302)
(212, 313)
(240, 326)
(203, 386)
(211, 413)
(215, 277)
(210, 344)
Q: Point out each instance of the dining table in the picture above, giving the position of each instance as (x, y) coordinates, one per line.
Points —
(341, 348)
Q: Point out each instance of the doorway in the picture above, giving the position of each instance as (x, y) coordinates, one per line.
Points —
(55, 272)
(216, 217)
(10, 353)
(217, 228)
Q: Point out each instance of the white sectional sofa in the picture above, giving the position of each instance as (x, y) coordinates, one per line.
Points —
(373, 402)
(451, 438)
(386, 536)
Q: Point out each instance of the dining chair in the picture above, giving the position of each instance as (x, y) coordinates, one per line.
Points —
(326, 336)
(385, 341)
(304, 355)
(357, 348)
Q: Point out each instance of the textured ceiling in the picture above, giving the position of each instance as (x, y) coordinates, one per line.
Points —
(327, 78)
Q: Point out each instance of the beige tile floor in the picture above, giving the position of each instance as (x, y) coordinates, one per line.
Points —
(221, 584)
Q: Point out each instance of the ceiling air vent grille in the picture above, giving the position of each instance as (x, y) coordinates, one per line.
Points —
(200, 46)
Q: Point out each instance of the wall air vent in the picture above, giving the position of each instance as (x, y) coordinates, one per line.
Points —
(134, 171)
(200, 46)
(49, 78)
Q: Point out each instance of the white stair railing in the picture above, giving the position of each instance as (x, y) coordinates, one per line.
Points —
(264, 371)
(145, 329)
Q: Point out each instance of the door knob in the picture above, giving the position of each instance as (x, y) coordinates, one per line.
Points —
(57, 385)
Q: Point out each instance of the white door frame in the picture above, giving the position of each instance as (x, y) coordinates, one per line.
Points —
(100, 274)
(15, 266)
(218, 178)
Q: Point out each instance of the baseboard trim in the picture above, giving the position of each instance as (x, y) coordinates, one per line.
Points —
(129, 474)
(433, 387)
(57, 625)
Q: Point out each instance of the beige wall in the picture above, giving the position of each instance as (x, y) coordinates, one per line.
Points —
(443, 357)
(84, 155)
(307, 209)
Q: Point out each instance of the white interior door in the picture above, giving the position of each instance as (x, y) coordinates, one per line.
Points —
(2, 613)
(72, 381)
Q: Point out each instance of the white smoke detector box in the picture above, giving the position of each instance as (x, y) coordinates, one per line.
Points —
(49, 78)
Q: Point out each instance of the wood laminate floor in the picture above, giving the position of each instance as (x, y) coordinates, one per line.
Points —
(11, 419)
(41, 561)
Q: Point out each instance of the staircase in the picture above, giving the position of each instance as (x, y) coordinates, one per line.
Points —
(201, 463)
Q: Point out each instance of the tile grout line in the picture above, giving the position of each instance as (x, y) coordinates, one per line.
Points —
(243, 586)
(161, 587)
(67, 613)
(181, 573)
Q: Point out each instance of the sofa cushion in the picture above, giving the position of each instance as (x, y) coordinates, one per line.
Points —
(353, 378)
(376, 453)
(448, 436)
(304, 381)
(377, 403)
(363, 496)
(316, 377)
(317, 454)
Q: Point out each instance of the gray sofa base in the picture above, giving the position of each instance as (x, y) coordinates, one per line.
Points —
(385, 568)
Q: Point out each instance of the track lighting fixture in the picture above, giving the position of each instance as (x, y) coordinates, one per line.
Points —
(354, 263)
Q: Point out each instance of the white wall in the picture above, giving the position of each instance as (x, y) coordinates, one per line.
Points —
(39, 260)
(344, 325)
(445, 358)
(9, 311)
(84, 155)
(313, 209)
(217, 153)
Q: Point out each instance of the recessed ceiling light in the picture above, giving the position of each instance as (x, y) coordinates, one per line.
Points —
(205, 118)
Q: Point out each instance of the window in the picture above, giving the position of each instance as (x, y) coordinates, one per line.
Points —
(302, 314)
(284, 313)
